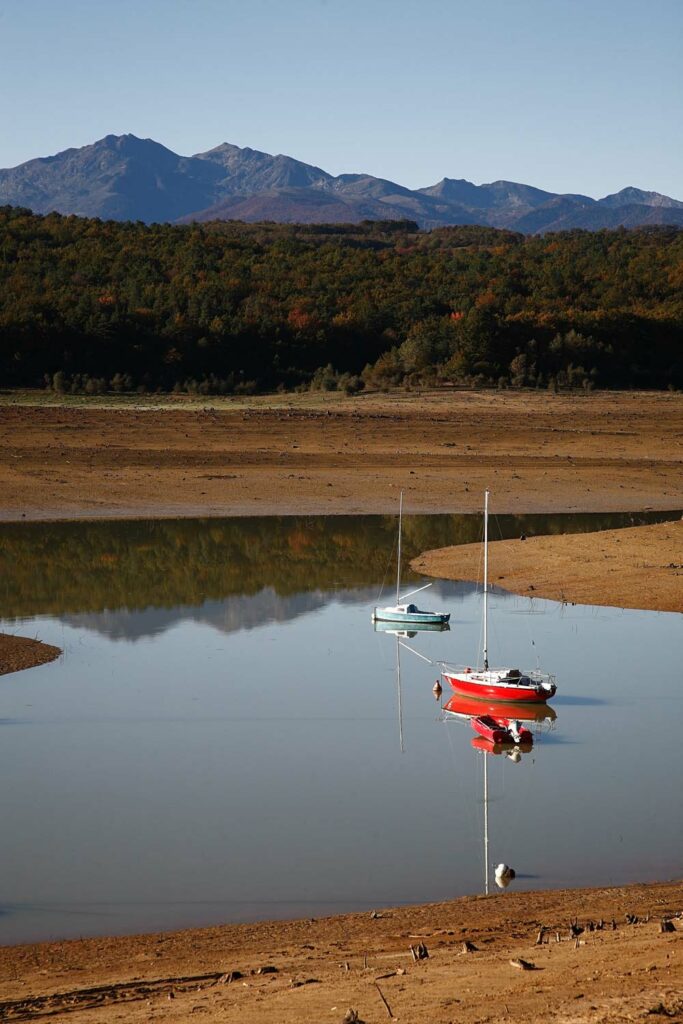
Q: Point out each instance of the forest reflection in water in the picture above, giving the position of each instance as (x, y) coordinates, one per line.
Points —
(82, 567)
(223, 739)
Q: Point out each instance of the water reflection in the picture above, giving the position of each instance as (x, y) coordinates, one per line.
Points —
(463, 707)
(95, 567)
(504, 730)
(246, 757)
(380, 626)
(401, 635)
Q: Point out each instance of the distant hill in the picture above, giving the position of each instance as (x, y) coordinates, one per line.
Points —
(126, 178)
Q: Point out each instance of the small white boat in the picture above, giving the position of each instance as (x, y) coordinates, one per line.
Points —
(411, 629)
(402, 611)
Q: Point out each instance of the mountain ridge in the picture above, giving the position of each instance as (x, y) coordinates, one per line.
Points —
(123, 177)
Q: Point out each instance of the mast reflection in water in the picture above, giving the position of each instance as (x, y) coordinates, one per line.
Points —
(511, 740)
(401, 636)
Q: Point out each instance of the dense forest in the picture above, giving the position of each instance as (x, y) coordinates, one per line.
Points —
(225, 307)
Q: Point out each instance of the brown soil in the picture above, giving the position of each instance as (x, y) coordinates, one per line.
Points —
(538, 452)
(640, 567)
(628, 971)
(18, 652)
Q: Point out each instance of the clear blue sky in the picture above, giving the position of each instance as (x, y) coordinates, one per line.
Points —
(569, 95)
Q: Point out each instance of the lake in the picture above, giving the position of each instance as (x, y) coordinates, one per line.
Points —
(224, 739)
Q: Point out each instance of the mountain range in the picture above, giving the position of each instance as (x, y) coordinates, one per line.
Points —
(122, 177)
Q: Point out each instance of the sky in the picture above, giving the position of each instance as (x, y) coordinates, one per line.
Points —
(567, 95)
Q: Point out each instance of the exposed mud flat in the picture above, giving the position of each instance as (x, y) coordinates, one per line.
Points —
(325, 454)
(20, 652)
(641, 567)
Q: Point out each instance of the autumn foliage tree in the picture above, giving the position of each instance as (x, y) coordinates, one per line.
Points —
(90, 305)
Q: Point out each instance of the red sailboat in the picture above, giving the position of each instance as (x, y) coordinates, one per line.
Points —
(498, 684)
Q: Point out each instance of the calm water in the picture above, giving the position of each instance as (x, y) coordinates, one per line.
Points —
(221, 739)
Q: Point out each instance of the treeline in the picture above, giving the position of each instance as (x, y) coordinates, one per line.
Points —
(88, 306)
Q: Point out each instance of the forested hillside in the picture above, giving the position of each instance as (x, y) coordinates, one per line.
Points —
(90, 305)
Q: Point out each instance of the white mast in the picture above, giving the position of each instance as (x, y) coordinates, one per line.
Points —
(486, 577)
(398, 567)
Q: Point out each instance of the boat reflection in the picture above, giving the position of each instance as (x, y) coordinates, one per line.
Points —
(471, 707)
(512, 750)
(415, 628)
(499, 735)
(401, 636)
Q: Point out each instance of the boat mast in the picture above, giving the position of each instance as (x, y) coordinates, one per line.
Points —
(486, 577)
(398, 566)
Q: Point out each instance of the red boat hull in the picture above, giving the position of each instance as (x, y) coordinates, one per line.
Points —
(508, 694)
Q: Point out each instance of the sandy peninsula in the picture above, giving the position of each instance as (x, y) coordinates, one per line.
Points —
(640, 567)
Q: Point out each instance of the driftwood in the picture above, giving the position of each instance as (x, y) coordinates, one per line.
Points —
(227, 979)
(386, 1004)
(391, 974)
(95, 997)
(523, 965)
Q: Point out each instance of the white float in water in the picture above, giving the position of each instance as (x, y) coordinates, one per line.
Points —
(504, 875)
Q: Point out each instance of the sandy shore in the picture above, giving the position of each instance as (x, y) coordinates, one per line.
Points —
(536, 451)
(319, 969)
(19, 652)
(640, 567)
